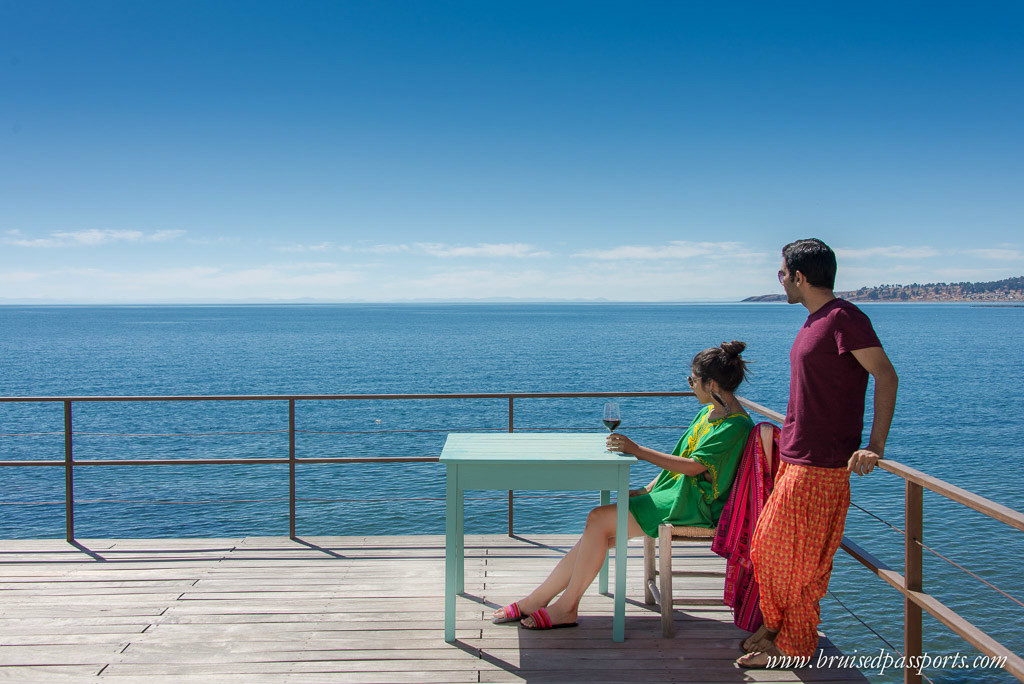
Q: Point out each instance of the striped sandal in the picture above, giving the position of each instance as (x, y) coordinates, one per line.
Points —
(543, 621)
(510, 613)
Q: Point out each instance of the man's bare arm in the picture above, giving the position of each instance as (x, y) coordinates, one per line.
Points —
(875, 362)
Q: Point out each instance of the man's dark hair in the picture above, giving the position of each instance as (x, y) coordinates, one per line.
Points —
(814, 259)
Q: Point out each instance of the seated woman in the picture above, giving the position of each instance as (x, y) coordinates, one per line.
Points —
(691, 490)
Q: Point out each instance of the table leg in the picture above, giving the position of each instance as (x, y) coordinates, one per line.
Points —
(460, 541)
(602, 578)
(451, 549)
(621, 541)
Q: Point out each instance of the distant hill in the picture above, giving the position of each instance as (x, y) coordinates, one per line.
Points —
(1007, 290)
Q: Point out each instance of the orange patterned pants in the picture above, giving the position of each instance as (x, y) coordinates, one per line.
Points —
(797, 535)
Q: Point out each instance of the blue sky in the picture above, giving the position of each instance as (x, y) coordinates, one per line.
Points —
(191, 151)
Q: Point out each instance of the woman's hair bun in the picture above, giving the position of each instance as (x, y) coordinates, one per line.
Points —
(734, 348)
(722, 364)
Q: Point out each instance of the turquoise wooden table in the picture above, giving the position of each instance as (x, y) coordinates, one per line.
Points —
(532, 461)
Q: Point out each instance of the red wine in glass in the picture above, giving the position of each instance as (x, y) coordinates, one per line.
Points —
(611, 418)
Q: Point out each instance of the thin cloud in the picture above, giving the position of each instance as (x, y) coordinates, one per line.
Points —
(317, 247)
(892, 252)
(19, 277)
(661, 282)
(212, 241)
(515, 250)
(275, 281)
(38, 242)
(386, 249)
(445, 279)
(996, 254)
(305, 266)
(483, 283)
(676, 250)
(93, 237)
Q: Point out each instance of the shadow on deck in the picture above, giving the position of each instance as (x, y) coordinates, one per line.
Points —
(341, 609)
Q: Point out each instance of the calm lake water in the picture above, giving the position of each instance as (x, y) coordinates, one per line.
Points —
(960, 417)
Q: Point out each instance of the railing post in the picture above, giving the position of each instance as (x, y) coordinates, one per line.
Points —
(291, 468)
(69, 476)
(510, 423)
(913, 572)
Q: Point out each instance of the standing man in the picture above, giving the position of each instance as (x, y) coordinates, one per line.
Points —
(802, 524)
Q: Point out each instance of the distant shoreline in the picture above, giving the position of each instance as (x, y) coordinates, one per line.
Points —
(1006, 290)
(855, 297)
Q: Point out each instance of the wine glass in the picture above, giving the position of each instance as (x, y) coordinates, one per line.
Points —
(611, 417)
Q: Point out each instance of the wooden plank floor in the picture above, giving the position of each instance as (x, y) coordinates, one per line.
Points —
(339, 609)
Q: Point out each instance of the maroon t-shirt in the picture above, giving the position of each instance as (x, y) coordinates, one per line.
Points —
(825, 415)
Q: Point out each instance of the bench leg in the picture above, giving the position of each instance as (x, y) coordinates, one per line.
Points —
(665, 578)
(648, 569)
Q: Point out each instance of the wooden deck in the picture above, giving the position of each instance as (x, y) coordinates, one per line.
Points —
(339, 609)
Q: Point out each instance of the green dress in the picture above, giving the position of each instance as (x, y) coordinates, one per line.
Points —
(693, 500)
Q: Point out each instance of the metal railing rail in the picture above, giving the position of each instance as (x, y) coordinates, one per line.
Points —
(909, 584)
(69, 463)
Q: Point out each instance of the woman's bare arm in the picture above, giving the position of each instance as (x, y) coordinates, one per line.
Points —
(644, 490)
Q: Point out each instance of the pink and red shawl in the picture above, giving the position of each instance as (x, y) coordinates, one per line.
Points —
(754, 482)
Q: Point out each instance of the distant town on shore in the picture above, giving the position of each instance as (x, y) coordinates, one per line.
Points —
(1007, 290)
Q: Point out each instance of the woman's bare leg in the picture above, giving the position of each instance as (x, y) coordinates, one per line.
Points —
(579, 567)
(550, 587)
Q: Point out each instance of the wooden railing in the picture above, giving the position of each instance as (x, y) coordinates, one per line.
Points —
(909, 584)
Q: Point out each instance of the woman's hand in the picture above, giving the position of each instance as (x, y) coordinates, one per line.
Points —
(637, 492)
(621, 443)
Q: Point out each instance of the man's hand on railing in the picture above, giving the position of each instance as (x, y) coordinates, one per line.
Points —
(863, 461)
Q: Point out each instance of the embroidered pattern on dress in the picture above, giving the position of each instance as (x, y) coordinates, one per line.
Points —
(703, 427)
